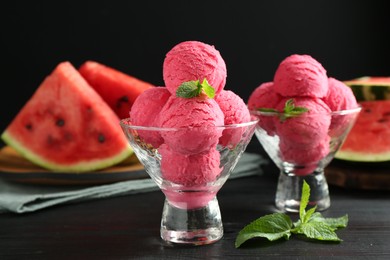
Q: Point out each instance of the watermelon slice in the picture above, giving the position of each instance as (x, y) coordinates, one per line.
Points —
(66, 126)
(118, 89)
(369, 139)
(370, 88)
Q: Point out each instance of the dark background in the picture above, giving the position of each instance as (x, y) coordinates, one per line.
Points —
(349, 38)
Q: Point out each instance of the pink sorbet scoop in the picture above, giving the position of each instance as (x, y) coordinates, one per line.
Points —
(264, 96)
(235, 112)
(304, 158)
(340, 96)
(193, 60)
(195, 120)
(146, 109)
(189, 171)
(308, 129)
(301, 76)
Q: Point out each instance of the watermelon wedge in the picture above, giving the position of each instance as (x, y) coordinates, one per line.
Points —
(370, 88)
(369, 139)
(118, 89)
(66, 126)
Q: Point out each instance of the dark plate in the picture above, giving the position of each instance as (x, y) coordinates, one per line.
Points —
(14, 167)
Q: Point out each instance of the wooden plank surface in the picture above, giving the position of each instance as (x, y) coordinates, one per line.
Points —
(128, 228)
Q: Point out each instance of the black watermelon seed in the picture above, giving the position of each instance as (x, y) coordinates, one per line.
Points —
(101, 138)
(367, 110)
(121, 100)
(383, 120)
(29, 127)
(60, 122)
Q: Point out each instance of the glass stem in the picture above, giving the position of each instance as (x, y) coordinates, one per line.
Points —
(289, 191)
(191, 226)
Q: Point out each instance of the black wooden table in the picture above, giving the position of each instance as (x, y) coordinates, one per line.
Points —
(128, 228)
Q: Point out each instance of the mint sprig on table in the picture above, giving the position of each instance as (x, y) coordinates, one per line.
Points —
(289, 110)
(194, 88)
(279, 225)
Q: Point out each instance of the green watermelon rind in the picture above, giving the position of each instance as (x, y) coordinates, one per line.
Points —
(362, 157)
(79, 167)
(366, 81)
(368, 89)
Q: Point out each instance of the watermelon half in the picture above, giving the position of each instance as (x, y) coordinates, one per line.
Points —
(67, 127)
(369, 139)
(118, 89)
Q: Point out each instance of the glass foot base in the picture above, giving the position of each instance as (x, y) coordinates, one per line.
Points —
(289, 191)
(193, 227)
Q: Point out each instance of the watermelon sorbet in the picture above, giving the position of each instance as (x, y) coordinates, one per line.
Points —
(235, 111)
(145, 111)
(311, 128)
(189, 170)
(305, 122)
(190, 127)
(305, 158)
(193, 60)
(299, 76)
(195, 120)
(264, 96)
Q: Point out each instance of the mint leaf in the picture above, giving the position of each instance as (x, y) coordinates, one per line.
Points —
(318, 230)
(308, 214)
(303, 215)
(208, 89)
(189, 89)
(272, 227)
(334, 223)
(299, 110)
(304, 199)
(265, 109)
(290, 108)
(194, 88)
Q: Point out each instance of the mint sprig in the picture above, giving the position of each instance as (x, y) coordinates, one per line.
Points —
(289, 110)
(279, 225)
(194, 88)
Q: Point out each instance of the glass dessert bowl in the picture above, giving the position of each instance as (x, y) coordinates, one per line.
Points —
(190, 165)
(302, 146)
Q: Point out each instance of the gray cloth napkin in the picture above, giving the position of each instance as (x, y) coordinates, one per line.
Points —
(23, 198)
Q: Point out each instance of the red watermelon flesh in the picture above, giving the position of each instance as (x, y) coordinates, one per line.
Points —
(369, 139)
(66, 126)
(118, 89)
